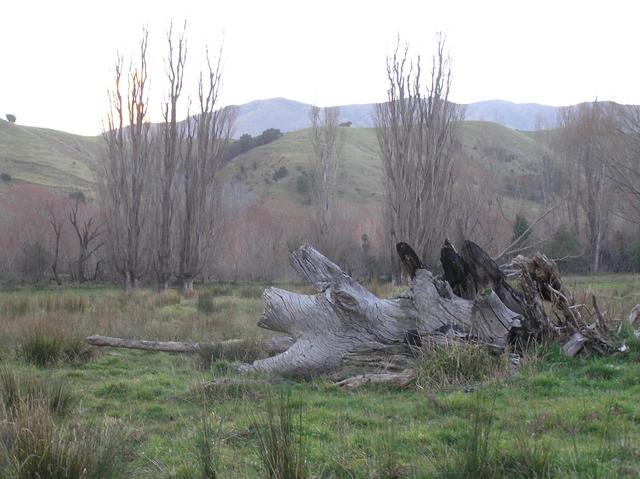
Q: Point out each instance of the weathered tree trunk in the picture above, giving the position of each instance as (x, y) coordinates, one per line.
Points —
(346, 326)
(274, 345)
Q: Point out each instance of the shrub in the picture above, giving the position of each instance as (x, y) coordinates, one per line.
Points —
(280, 173)
(33, 263)
(456, 364)
(303, 184)
(11, 118)
(280, 446)
(6, 177)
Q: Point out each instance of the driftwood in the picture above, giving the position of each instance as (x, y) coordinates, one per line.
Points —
(274, 345)
(343, 323)
(345, 327)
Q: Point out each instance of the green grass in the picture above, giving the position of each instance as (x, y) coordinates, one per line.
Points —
(557, 417)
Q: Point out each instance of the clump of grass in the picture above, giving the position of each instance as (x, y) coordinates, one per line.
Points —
(245, 351)
(472, 458)
(17, 391)
(250, 292)
(45, 347)
(167, 298)
(457, 364)
(35, 445)
(14, 306)
(280, 445)
(66, 303)
(207, 303)
(217, 290)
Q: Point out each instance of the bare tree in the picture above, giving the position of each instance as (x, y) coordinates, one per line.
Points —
(87, 231)
(325, 144)
(207, 138)
(624, 161)
(585, 139)
(126, 165)
(417, 134)
(172, 142)
(57, 225)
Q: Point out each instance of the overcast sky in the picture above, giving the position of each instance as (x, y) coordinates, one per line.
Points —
(57, 57)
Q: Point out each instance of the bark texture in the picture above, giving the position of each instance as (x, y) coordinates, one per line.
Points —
(343, 325)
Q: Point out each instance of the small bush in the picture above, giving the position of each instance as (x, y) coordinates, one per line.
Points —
(280, 446)
(6, 177)
(45, 348)
(280, 173)
(457, 364)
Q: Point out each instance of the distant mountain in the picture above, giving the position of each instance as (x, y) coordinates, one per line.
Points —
(288, 115)
(517, 116)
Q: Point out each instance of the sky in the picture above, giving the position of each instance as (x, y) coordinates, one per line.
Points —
(57, 57)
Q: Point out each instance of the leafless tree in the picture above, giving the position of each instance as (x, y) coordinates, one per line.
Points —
(325, 144)
(585, 139)
(207, 137)
(126, 167)
(624, 161)
(172, 143)
(87, 232)
(57, 225)
(417, 134)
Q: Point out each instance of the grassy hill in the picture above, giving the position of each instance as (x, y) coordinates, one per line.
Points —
(492, 154)
(48, 157)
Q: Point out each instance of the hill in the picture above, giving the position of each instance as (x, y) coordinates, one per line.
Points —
(288, 115)
(491, 152)
(48, 157)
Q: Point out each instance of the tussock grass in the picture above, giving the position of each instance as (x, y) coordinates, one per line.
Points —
(457, 364)
(245, 351)
(280, 445)
(17, 391)
(34, 445)
(45, 346)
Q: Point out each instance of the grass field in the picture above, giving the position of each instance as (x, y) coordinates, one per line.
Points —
(152, 416)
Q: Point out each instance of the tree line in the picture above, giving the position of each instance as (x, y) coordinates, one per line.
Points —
(164, 214)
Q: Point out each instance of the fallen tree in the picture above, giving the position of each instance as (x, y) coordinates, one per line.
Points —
(345, 330)
(344, 327)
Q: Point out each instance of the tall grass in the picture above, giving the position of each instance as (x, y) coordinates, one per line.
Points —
(280, 445)
(17, 391)
(457, 364)
(36, 443)
(45, 345)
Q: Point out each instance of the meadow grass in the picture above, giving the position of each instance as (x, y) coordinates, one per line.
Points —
(555, 417)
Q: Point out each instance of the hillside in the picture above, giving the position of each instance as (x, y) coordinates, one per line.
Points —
(48, 157)
(491, 153)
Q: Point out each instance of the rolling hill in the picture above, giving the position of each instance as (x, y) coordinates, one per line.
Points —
(48, 157)
(288, 115)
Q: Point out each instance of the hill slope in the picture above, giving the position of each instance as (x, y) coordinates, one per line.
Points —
(48, 157)
(490, 151)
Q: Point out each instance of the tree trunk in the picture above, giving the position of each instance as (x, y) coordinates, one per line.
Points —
(345, 326)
